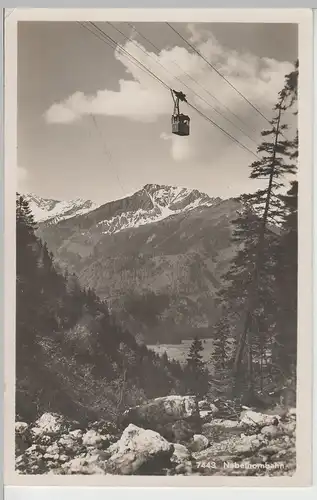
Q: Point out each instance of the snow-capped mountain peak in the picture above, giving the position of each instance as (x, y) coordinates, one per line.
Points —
(175, 197)
(50, 210)
(153, 203)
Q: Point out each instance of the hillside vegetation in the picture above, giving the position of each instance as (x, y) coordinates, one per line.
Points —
(71, 355)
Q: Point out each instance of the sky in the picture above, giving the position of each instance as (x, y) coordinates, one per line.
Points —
(92, 124)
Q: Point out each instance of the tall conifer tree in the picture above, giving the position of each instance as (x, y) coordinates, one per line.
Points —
(250, 293)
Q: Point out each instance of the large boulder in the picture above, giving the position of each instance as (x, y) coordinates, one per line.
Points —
(139, 451)
(174, 417)
(165, 409)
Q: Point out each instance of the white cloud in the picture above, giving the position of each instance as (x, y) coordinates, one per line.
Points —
(62, 112)
(144, 99)
(180, 148)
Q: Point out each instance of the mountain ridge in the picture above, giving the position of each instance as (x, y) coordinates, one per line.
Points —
(50, 209)
(157, 257)
(151, 203)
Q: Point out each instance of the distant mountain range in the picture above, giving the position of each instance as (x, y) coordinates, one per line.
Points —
(156, 256)
(49, 210)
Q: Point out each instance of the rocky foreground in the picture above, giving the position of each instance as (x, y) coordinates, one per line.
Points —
(173, 435)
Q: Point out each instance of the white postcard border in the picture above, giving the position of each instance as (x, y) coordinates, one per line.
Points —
(303, 17)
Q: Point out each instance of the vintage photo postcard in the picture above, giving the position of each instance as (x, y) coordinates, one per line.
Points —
(158, 247)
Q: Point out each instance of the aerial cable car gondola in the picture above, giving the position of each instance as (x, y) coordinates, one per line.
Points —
(180, 122)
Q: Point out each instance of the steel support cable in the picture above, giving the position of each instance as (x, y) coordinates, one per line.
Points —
(183, 83)
(194, 80)
(106, 39)
(218, 72)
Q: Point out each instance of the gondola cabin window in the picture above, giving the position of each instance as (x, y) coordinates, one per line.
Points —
(180, 124)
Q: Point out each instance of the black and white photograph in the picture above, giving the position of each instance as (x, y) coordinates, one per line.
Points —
(156, 323)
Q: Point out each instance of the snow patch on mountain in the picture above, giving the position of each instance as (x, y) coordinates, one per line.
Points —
(53, 211)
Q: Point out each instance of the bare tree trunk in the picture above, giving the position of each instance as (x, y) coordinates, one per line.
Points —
(250, 363)
(261, 362)
(122, 391)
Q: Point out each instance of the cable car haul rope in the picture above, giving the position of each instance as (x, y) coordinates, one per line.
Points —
(180, 122)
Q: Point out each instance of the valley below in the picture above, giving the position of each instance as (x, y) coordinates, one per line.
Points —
(179, 352)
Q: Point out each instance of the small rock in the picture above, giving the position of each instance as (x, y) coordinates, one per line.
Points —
(227, 423)
(82, 466)
(44, 440)
(214, 408)
(23, 437)
(76, 434)
(199, 443)
(184, 469)
(291, 413)
(180, 454)
(52, 452)
(203, 405)
(92, 438)
(34, 449)
(21, 427)
(269, 450)
(182, 431)
(69, 444)
(205, 415)
(48, 423)
(289, 427)
(252, 418)
(247, 444)
(269, 430)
